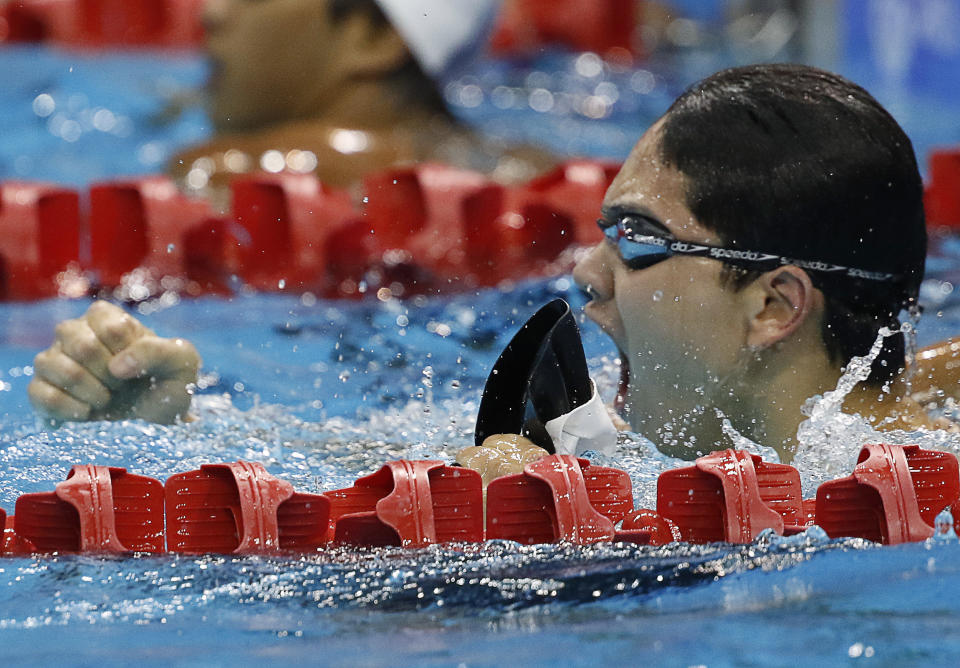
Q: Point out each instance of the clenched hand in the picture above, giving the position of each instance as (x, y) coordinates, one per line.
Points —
(500, 454)
(106, 365)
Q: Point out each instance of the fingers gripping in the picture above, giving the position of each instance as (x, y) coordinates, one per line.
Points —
(54, 403)
(114, 327)
(157, 357)
(65, 373)
(76, 340)
(500, 454)
(107, 364)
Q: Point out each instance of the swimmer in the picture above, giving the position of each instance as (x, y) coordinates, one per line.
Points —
(341, 88)
(758, 237)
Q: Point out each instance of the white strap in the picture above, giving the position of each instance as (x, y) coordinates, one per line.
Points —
(587, 427)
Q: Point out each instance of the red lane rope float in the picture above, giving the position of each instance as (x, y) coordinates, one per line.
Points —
(607, 27)
(140, 223)
(559, 498)
(409, 503)
(730, 495)
(280, 231)
(240, 508)
(97, 509)
(423, 229)
(941, 197)
(893, 496)
(40, 231)
(98, 24)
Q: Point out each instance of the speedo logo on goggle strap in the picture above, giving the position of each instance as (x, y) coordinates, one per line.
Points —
(853, 272)
(871, 275)
(814, 265)
(686, 247)
(731, 254)
(648, 239)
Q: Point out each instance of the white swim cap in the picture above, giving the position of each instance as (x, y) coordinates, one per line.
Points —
(441, 34)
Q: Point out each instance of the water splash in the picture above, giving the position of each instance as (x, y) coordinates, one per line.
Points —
(909, 329)
(741, 442)
(829, 439)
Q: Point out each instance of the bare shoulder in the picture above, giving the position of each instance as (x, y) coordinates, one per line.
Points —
(937, 373)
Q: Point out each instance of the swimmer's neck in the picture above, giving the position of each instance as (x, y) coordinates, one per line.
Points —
(776, 424)
(762, 398)
(772, 415)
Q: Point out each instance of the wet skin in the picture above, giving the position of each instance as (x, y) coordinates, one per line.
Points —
(105, 365)
(264, 56)
(680, 331)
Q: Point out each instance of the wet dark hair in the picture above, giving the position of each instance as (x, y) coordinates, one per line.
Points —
(797, 161)
(410, 85)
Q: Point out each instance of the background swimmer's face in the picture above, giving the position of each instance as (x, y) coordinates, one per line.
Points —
(273, 60)
(674, 323)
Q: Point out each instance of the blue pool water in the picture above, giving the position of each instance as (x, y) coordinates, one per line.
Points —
(321, 392)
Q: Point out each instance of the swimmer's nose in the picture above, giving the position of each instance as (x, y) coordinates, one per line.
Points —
(593, 274)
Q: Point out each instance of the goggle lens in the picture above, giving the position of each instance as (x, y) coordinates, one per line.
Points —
(638, 249)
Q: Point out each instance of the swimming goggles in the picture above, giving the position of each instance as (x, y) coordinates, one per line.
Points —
(642, 242)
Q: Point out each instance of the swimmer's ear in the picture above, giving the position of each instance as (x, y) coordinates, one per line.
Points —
(371, 46)
(779, 302)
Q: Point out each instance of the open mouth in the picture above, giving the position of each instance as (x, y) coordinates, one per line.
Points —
(620, 401)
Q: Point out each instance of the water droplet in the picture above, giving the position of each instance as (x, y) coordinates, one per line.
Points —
(44, 105)
(658, 295)
(943, 526)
